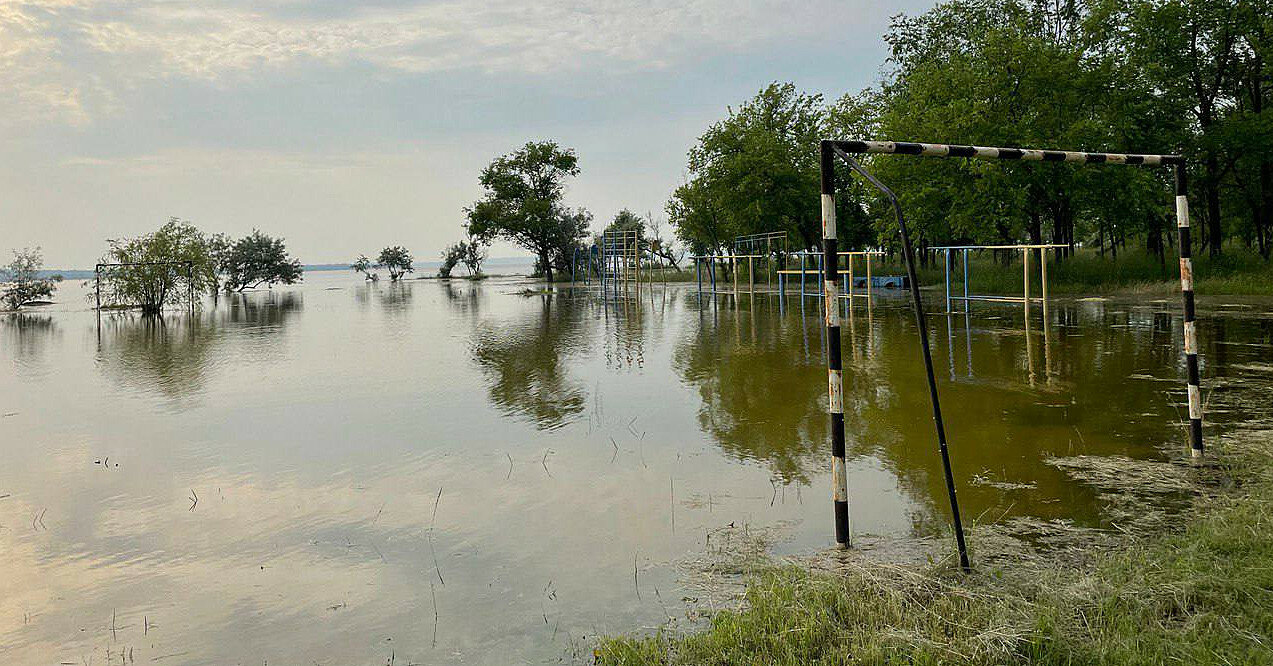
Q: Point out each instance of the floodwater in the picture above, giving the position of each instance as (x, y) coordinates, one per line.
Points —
(344, 473)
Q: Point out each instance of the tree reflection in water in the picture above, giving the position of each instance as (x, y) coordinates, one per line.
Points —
(526, 362)
(28, 335)
(172, 354)
(763, 397)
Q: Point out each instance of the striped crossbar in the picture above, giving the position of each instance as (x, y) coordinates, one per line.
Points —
(988, 153)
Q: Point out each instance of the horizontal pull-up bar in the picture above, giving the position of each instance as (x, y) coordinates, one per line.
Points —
(987, 153)
(1045, 246)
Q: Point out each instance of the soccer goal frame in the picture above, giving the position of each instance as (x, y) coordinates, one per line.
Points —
(829, 150)
(97, 277)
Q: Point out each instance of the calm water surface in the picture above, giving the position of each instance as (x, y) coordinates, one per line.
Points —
(455, 473)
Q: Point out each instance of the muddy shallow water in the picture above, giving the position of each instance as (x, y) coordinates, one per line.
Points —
(435, 473)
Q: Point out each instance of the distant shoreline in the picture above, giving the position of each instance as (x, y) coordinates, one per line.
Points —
(422, 266)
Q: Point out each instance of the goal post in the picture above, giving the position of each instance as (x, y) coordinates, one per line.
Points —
(97, 277)
(829, 150)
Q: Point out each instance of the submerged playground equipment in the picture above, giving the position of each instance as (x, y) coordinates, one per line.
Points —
(829, 150)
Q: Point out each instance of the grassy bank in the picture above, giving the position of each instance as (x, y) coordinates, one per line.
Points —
(1202, 594)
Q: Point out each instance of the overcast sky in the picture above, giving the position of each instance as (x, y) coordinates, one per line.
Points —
(345, 129)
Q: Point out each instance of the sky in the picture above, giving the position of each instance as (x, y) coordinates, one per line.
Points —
(345, 127)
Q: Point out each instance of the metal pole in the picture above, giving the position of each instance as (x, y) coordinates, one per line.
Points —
(835, 383)
(947, 254)
(848, 286)
(802, 257)
(1025, 255)
(751, 276)
(1043, 279)
(966, 302)
(1191, 327)
(869, 286)
(97, 289)
(920, 324)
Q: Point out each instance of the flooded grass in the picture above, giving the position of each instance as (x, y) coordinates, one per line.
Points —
(1200, 592)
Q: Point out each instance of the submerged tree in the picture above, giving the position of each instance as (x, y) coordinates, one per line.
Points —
(397, 260)
(259, 259)
(23, 284)
(472, 256)
(450, 258)
(166, 267)
(523, 204)
(363, 265)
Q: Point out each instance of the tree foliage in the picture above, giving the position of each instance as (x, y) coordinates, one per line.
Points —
(364, 265)
(1137, 76)
(169, 266)
(22, 283)
(258, 259)
(397, 260)
(523, 203)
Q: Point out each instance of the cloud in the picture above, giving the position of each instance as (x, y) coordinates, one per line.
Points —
(69, 57)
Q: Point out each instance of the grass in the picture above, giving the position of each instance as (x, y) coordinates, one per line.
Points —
(1200, 595)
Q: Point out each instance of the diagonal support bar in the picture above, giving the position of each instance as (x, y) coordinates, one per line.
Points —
(830, 148)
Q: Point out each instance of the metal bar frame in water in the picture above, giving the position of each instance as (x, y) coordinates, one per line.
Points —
(97, 278)
(829, 149)
(1025, 249)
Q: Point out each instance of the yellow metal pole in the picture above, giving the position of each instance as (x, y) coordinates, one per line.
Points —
(1025, 254)
(850, 285)
(868, 278)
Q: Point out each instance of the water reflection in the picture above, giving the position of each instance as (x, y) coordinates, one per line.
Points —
(173, 355)
(28, 337)
(518, 463)
(526, 362)
(168, 355)
(761, 396)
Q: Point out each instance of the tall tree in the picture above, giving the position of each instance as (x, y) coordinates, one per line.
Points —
(753, 171)
(21, 279)
(259, 259)
(523, 203)
(1187, 50)
(397, 260)
(161, 268)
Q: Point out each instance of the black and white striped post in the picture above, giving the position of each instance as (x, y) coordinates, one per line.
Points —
(835, 375)
(829, 149)
(1182, 217)
(1191, 327)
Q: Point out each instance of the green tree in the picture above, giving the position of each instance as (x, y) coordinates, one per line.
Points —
(755, 171)
(626, 220)
(523, 204)
(450, 259)
(473, 253)
(22, 281)
(219, 246)
(1187, 50)
(363, 265)
(258, 259)
(166, 267)
(397, 260)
